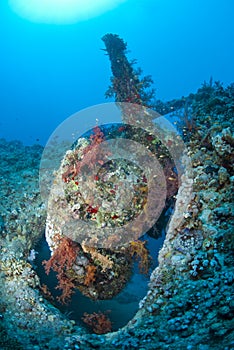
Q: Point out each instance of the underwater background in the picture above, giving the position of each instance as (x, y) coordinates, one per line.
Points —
(50, 71)
(169, 66)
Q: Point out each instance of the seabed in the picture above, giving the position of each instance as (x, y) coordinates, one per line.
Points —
(189, 303)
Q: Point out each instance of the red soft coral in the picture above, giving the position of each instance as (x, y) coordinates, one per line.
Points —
(61, 261)
(90, 156)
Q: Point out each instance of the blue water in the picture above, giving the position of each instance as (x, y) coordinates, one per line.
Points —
(49, 72)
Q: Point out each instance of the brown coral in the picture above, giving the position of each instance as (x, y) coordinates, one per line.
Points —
(90, 275)
(137, 249)
(99, 322)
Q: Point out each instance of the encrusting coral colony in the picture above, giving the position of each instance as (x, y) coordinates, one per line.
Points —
(189, 304)
(91, 264)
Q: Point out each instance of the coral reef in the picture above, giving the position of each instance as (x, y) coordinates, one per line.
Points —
(189, 304)
(27, 319)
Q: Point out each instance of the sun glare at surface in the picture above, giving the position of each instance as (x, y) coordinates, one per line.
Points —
(61, 11)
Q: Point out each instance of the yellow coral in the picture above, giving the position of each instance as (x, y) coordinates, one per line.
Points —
(104, 261)
(138, 249)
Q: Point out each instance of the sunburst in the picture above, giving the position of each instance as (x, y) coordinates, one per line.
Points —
(61, 11)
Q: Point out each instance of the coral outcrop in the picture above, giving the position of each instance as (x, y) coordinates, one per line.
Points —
(189, 303)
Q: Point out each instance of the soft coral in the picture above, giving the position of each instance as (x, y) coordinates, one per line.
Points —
(99, 322)
(90, 156)
(61, 261)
